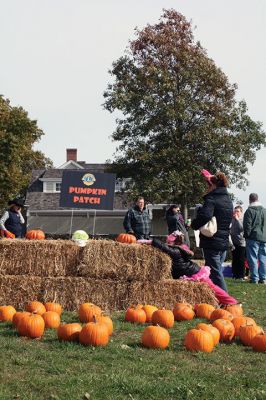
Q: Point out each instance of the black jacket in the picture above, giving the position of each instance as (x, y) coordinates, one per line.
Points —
(181, 262)
(216, 203)
(175, 224)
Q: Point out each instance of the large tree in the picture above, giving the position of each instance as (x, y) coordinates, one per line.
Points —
(177, 113)
(18, 134)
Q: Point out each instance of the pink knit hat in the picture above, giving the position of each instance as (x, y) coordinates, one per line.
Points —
(173, 236)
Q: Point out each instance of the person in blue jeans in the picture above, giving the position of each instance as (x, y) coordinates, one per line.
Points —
(217, 203)
(255, 234)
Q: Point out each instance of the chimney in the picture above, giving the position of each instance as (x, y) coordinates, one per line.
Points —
(71, 154)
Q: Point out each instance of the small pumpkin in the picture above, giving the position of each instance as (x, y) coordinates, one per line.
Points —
(149, 310)
(17, 317)
(199, 340)
(87, 311)
(220, 313)
(164, 318)
(135, 315)
(204, 310)
(248, 332)
(212, 330)
(35, 234)
(155, 337)
(183, 313)
(126, 238)
(51, 319)
(108, 321)
(33, 325)
(69, 332)
(236, 310)
(242, 321)
(94, 334)
(7, 313)
(20, 325)
(258, 343)
(226, 329)
(36, 307)
(56, 307)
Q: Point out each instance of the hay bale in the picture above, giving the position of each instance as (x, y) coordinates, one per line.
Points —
(39, 257)
(70, 292)
(109, 294)
(107, 259)
(166, 293)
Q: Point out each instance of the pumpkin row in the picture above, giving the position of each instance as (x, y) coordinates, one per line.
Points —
(204, 337)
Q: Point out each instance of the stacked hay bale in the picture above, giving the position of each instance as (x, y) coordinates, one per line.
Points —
(107, 273)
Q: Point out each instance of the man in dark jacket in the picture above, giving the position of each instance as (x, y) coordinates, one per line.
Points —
(137, 220)
(217, 203)
(255, 235)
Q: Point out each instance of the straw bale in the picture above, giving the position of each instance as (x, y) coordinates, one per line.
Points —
(39, 257)
(19, 290)
(109, 294)
(166, 293)
(108, 259)
(70, 292)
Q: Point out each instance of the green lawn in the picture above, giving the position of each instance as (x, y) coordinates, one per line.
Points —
(48, 369)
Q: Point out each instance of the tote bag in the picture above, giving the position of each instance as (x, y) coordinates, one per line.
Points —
(210, 228)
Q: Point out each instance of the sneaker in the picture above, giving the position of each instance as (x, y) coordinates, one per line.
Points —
(263, 282)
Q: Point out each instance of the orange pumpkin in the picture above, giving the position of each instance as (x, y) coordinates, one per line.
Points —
(94, 334)
(106, 320)
(248, 332)
(20, 325)
(35, 234)
(51, 319)
(258, 343)
(155, 337)
(135, 315)
(87, 311)
(33, 325)
(242, 321)
(204, 310)
(7, 313)
(17, 317)
(236, 310)
(126, 238)
(56, 307)
(226, 329)
(220, 313)
(69, 332)
(163, 318)
(212, 330)
(183, 313)
(199, 340)
(149, 310)
(36, 307)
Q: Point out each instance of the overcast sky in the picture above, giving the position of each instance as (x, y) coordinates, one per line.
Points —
(55, 57)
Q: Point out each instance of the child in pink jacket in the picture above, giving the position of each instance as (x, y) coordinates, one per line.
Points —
(184, 268)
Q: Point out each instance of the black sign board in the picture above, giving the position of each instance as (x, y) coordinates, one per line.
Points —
(83, 189)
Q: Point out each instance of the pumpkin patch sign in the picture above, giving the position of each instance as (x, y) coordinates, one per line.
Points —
(83, 189)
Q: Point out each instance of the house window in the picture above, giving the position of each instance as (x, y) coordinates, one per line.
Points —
(51, 187)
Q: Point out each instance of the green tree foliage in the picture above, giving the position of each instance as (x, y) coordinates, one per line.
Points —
(18, 134)
(177, 114)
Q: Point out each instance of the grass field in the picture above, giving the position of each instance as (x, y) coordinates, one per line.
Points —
(48, 369)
